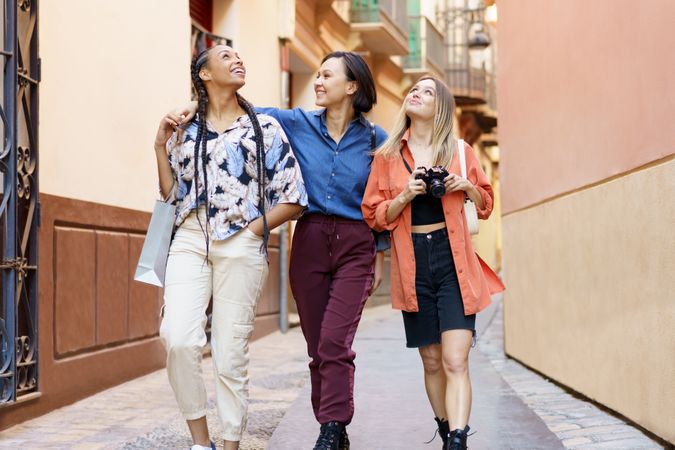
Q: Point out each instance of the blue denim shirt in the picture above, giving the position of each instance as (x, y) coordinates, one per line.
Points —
(335, 174)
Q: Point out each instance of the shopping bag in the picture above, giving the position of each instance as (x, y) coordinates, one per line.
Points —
(152, 263)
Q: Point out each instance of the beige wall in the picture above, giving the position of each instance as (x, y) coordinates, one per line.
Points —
(110, 70)
(590, 293)
(253, 26)
(303, 91)
(588, 177)
(487, 242)
(585, 87)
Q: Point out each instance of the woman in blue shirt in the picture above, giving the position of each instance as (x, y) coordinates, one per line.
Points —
(333, 267)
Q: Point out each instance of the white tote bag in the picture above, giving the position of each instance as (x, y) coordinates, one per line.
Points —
(152, 263)
(469, 206)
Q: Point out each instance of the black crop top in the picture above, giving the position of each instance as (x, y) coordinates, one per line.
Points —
(427, 209)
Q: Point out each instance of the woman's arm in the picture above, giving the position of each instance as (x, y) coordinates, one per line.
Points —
(184, 113)
(380, 211)
(286, 182)
(285, 117)
(378, 272)
(476, 185)
(412, 189)
(454, 182)
(164, 172)
(275, 217)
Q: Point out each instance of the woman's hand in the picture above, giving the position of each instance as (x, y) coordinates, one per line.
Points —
(454, 182)
(378, 269)
(166, 128)
(414, 187)
(188, 111)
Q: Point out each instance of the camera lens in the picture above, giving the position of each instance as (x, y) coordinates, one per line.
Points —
(437, 188)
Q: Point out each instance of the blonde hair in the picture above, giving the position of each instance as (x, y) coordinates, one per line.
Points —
(442, 140)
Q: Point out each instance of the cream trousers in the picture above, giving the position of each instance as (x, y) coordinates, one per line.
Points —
(234, 277)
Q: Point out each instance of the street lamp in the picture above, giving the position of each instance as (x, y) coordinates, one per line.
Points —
(466, 39)
(478, 38)
(474, 15)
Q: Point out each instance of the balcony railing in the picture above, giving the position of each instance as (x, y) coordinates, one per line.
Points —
(465, 72)
(382, 25)
(427, 50)
(364, 11)
(467, 84)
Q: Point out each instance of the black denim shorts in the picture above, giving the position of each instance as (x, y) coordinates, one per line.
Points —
(438, 295)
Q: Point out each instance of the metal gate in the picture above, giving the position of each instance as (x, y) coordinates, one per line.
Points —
(19, 202)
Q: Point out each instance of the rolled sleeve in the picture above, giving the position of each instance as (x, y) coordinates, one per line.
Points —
(488, 202)
(480, 181)
(171, 148)
(376, 201)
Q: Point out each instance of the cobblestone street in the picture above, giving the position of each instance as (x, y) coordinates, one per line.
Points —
(513, 407)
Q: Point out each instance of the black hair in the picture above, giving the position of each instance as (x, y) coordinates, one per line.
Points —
(202, 133)
(357, 70)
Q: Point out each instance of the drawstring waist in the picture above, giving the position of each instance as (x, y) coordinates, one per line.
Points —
(323, 218)
(330, 224)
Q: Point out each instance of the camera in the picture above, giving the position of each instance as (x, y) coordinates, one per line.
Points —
(433, 177)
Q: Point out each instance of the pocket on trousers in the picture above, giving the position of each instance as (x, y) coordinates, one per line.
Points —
(242, 330)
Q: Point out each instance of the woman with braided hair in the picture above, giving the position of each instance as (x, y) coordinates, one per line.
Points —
(234, 177)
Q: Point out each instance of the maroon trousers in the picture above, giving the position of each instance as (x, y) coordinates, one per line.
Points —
(331, 272)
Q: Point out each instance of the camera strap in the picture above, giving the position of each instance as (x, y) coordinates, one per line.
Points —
(407, 166)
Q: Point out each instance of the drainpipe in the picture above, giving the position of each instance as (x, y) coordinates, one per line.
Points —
(283, 230)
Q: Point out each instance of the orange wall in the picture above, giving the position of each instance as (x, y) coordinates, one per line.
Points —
(586, 91)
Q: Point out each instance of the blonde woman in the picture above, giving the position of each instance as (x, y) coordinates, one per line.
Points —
(436, 278)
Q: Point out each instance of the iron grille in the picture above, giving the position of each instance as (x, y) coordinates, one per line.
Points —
(19, 202)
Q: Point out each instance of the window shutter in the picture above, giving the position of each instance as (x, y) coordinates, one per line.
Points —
(201, 11)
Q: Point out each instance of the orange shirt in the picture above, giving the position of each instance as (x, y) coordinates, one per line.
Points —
(388, 178)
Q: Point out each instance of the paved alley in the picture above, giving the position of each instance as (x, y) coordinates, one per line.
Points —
(513, 407)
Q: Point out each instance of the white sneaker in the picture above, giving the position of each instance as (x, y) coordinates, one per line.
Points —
(201, 447)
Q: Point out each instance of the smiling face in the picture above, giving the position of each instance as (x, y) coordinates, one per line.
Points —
(420, 103)
(332, 86)
(223, 68)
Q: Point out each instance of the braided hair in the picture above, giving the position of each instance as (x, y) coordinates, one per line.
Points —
(202, 136)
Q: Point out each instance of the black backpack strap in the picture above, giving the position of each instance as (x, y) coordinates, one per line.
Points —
(373, 138)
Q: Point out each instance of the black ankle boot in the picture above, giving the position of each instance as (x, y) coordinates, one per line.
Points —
(457, 439)
(344, 439)
(330, 436)
(443, 430)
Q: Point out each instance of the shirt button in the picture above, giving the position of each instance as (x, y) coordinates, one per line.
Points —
(332, 174)
(329, 197)
(452, 231)
(460, 271)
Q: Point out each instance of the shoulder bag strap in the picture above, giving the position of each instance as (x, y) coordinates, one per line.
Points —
(462, 157)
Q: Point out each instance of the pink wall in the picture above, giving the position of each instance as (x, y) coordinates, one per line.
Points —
(586, 90)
